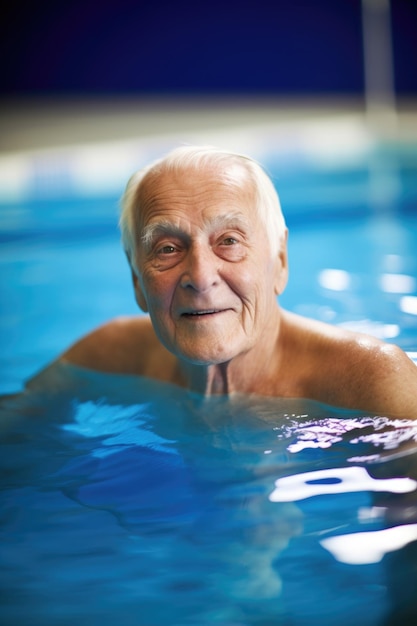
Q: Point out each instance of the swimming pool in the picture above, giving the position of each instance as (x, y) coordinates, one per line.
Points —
(128, 501)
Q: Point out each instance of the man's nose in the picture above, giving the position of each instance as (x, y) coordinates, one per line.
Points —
(200, 269)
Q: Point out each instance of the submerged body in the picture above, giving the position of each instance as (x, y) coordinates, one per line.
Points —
(154, 502)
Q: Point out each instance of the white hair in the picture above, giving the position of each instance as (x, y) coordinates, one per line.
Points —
(200, 157)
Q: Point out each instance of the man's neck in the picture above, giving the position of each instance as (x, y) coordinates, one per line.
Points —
(208, 380)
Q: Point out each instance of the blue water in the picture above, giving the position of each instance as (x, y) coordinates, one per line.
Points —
(127, 501)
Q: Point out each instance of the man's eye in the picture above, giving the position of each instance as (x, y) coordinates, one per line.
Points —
(230, 241)
(167, 250)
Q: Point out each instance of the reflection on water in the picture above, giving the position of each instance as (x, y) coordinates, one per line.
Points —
(357, 547)
(370, 547)
(127, 501)
(341, 480)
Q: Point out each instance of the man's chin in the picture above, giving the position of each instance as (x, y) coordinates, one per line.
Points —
(205, 349)
(204, 357)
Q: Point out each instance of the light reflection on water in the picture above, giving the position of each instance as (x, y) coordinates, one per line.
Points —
(332, 481)
(370, 547)
(358, 547)
(121, 502)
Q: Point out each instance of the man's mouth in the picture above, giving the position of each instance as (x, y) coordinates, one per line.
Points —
(201, 313)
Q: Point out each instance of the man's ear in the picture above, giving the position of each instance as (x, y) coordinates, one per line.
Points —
(139, 296)
(281, 266)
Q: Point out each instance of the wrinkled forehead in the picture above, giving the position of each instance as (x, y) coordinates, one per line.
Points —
(167, 185)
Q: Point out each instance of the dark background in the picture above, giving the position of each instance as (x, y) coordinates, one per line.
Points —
(132, 47)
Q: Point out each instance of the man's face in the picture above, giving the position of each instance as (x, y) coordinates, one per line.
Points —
(206, 274)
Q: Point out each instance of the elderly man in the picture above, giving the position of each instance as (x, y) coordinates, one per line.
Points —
(206, 242)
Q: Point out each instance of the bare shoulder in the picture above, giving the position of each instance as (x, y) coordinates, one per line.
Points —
(355, 370)
(382, 376)
(124, 345)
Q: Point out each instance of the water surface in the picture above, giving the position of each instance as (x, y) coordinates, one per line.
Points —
(124, 500)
